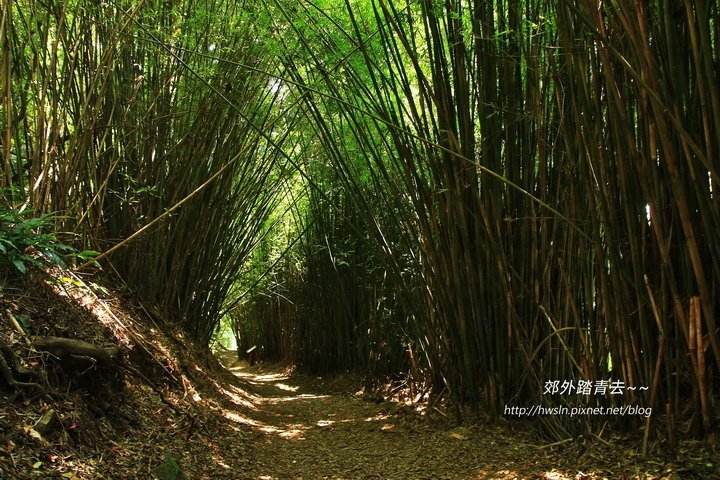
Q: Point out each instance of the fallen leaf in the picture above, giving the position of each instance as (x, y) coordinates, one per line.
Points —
(37, 465)
(35, 434)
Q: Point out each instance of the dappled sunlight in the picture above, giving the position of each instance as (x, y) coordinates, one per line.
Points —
(237, 399)
(280, 425)
(554, 475)
(269, 429)
(236, 395)
(303, 396)
(325, 423)
(298, 421)
(292, 434)
(286, 433)
(284, 430)
(237, 418)
(289, 431)
(499, 475)
(549, 475)
(221, 462)
(287, 388)
(69, 285)
(377, 418)
(220, 456)
(259, 378)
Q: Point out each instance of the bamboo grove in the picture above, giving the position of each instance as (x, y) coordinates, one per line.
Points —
(476, 196)
(119, 114)
(538, 182)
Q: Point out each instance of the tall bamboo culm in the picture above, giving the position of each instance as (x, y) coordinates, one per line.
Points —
(550, 173)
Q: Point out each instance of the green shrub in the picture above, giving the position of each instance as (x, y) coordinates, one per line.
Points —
(27, 240)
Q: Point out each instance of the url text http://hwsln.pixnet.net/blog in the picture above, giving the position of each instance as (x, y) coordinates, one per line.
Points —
(582, 388)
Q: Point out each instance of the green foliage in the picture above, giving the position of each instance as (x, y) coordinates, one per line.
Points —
(223, 338)
(27, 240)
(169, 470)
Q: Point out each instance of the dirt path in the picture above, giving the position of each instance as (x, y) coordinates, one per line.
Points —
(309, 434)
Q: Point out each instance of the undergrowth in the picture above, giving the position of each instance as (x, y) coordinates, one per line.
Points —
(28, 240)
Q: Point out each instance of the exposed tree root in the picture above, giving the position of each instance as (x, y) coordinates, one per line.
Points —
(81, 353)
(77, 349)
(9, 363)
(75, 354)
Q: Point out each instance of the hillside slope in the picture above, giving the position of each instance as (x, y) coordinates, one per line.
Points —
(152, 404)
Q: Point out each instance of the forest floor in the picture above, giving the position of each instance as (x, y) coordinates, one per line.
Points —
(165, 410)
(320, 429)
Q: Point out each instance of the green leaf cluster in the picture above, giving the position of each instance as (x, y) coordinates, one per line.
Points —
(27, 240)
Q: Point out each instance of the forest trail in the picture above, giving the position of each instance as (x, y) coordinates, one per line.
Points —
(312, 433)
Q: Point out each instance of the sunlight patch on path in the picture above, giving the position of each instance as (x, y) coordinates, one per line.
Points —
(259, 378)
(286, 387)
(237, 418)
(302, 396)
